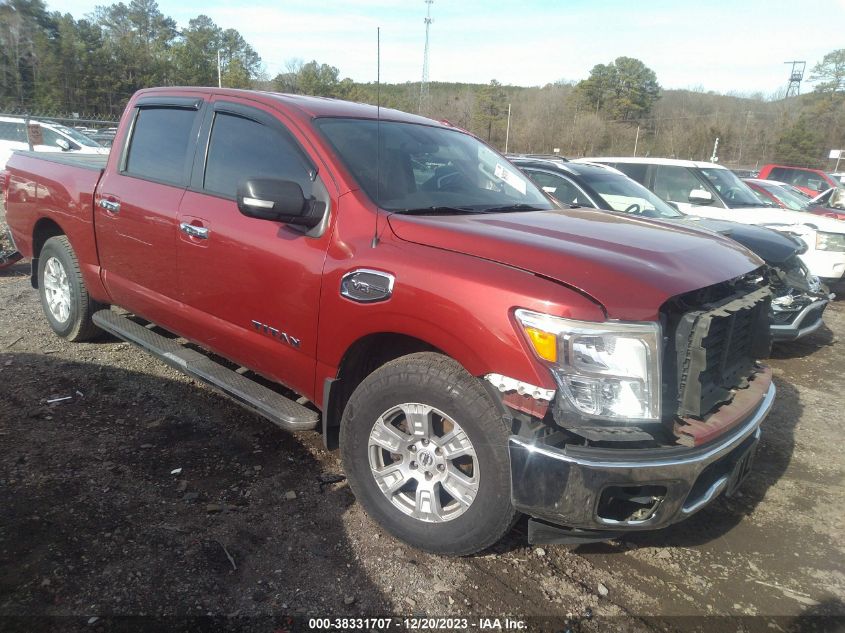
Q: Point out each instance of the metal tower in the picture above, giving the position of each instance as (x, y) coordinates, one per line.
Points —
(795, 77)
(424, 82)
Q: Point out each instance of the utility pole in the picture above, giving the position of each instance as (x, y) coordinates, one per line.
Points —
(424, 82)
(508, 129)
(219, 74)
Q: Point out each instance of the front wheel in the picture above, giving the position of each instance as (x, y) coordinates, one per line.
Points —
(425, 452)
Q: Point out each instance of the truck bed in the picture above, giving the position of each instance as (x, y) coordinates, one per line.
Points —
(55, 191)
(96, 162)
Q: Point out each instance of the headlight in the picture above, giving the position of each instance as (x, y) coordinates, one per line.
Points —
(607, 371)
(830, 241)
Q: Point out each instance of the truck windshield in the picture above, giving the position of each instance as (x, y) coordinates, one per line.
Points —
(623, 194)
(734, 193)
(787, 197)
(427, 169)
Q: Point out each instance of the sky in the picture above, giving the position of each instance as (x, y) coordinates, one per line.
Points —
(727, 46)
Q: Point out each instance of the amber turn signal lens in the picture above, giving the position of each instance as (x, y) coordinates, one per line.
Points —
(544, 344)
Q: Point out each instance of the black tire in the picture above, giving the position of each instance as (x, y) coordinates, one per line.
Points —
(77, 326)
(438, 381)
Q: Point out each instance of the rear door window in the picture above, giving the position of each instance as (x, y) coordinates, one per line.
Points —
(561, 188)
(161, 143)
(240, 149)
(52, 138)
(780, 173)
(809, 180)
(12, 131)
(675, 183)
(635, 171)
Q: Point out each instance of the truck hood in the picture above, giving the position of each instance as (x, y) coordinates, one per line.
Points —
(630, 266)
(771, 246)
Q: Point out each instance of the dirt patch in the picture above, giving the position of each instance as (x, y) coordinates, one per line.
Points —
(143, 493)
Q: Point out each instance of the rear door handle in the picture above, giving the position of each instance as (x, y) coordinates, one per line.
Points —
(112, 206)
(199, 232)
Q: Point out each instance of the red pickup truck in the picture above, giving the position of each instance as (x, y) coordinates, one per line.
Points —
(473, 349)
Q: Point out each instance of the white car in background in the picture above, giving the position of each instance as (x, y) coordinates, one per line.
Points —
(54, 138)
(712, 191)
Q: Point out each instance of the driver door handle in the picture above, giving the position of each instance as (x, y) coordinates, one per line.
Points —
(199, 232)
(112, 206)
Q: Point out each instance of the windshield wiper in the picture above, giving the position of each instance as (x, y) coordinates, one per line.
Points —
(438, 211)
(511, 207)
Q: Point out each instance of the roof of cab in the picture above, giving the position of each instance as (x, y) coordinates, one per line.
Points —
(311, 107)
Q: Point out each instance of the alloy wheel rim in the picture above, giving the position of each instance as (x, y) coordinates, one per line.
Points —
(423, 462)
(57, 289)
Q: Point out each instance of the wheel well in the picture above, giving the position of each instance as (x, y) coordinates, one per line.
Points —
(43, 231)
(362, 358)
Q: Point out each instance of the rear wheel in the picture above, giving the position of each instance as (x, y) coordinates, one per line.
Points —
(64, 298)
(425, 451)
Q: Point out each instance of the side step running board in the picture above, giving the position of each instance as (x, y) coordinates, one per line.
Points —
(282, 411)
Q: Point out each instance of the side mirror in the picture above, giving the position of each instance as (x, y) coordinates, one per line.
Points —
(700, 196)
(63, 144)
(279, 200)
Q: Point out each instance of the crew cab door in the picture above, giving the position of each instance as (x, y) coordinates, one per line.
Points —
(677, 184)
(137, 203)
(560, 187)
(251, 286)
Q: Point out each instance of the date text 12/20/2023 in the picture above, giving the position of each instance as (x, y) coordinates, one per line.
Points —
(415, 623)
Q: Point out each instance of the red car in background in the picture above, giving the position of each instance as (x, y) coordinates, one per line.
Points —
(810, 181)
(789, 197)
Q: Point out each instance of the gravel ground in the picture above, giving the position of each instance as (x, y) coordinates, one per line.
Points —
(96, 520)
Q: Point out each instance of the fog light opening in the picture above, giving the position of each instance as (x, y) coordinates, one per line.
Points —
(629, 504)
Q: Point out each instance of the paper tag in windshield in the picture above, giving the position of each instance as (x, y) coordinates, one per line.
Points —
(510, 178)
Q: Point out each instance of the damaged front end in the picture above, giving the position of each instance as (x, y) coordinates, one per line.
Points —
(798, 302)
(599, 476)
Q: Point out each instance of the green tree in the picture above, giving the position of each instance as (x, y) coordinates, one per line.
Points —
(490, 109)
(25, 32)
(319, 80)
(598, 88)
(799, 144)
(626, 89)
(138, 38)
(240, 63)
(830, 72)
(195, 55)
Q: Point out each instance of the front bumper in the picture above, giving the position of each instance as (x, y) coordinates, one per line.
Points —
(593, 488)
(805, 322)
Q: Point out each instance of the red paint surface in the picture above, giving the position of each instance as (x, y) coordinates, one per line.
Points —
(458, 279)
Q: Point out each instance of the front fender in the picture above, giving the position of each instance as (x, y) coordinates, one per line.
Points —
(458, 304)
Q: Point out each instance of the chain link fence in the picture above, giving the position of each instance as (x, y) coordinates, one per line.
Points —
(71, 119)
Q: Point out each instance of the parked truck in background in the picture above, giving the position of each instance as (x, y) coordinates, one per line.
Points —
(475, 351)
(810, 181)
